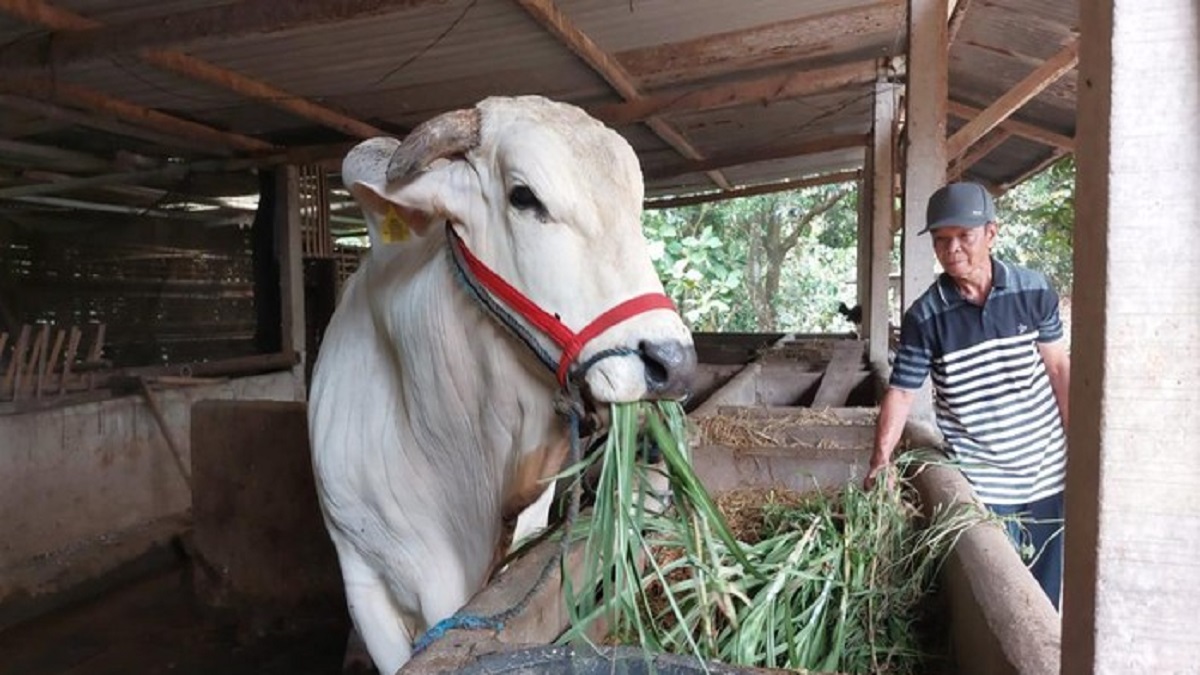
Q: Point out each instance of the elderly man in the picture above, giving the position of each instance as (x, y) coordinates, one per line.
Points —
(990, 334)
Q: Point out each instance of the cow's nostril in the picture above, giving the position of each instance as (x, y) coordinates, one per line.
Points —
(669, 365)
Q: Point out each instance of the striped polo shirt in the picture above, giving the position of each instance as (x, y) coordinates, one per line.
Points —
(992, 395)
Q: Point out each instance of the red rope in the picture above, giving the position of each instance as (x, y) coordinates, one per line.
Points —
(572, 343)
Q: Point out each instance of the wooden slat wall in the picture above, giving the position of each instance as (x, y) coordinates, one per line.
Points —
(167, 293)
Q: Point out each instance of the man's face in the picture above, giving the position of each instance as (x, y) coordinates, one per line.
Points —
(963, 251)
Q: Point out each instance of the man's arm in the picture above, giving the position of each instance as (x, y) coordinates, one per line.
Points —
(893, 413)
(1058, 368)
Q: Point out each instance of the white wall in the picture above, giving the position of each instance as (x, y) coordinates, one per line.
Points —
(85, 488)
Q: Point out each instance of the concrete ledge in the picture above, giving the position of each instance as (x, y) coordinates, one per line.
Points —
(1000, 620)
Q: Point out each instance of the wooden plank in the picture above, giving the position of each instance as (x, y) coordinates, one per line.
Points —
(766, 188)
(13, 373)
(1033, 84)
(59, 336)
(60, 114)
(90, 99)
(61, 20)
(69, 358)
(766, 153)
(27, 373)
(1017, 127)
(759, 91)
(958, 14)
(248, 17)
(843, 373)
(976, 153)
(882, 197)
(771, 45)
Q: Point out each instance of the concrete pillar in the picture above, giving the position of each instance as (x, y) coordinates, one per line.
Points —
(881, 179)
(291, 268)
(925, 153)
(1132, 596)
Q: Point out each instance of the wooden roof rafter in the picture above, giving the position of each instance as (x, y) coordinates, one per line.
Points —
(753, 190)
(79, 96)
(58, 19)
(50, 53)
(780, 43)
(1003, 108)
(772, 152)
(1017, 127)
(551, 18)
(758, 91)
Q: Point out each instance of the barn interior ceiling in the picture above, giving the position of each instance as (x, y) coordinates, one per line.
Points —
(167, 107)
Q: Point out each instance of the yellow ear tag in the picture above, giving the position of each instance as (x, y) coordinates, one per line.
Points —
(394, 228)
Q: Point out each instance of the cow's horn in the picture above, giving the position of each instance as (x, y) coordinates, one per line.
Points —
(447, 134)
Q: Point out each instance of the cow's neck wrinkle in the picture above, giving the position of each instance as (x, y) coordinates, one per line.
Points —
(511, 437)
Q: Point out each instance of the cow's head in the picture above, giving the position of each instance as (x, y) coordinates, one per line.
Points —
(551, 200)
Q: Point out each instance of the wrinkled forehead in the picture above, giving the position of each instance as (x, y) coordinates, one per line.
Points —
(548, 146)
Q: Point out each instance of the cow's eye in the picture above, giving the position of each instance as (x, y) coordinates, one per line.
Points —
(521, 197)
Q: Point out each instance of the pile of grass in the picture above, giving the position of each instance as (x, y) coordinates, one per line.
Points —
(831, 581)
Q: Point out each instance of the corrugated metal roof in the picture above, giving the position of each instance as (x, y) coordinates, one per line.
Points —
(397, 69)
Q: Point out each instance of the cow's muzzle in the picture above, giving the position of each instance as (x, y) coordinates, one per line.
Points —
(670, 366)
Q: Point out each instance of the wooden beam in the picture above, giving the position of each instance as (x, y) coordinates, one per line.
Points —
(548, 15)
(51, 53)
(1017, 127)
(177, 62)
(881, 197)
(842, 33)
(752, 190)
(32, 153)
(958, 14)
(105, 124)
(760, 91)
(1011, 183)
(976, 153)
(83, 97)
(1054, 68)
(762, 154)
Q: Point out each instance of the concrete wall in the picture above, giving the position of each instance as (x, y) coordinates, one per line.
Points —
(86, 488)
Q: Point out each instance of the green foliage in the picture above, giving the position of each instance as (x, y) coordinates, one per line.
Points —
(773, 262)
(783, 262)
(1037, 223)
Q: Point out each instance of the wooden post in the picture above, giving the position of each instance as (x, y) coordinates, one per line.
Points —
(882, 197)
(288, 238)
(1133, 521)
(925, 153)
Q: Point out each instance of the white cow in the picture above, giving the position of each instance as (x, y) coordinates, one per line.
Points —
(432, 427)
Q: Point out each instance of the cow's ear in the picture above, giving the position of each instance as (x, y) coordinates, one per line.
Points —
(394, 213)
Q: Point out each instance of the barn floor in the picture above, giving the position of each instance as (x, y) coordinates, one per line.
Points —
(151, 627)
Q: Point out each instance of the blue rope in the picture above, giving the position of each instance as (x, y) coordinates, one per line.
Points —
(454, 622)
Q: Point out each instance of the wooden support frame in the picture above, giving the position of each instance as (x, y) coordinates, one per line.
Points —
(762, 154)
(247, 17)
(752, 190)
(193, 68)
(777, 44)
(977, 152)
(759, 91)
(1016, 127)
(548, 15)
(1033, 84)
(89, 99)
(882, 198)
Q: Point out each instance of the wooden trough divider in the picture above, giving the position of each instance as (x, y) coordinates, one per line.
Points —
(33, 369)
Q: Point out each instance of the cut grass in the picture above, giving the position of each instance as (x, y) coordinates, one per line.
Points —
(831, 582)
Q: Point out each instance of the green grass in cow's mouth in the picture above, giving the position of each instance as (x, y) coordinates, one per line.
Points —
(834, 582)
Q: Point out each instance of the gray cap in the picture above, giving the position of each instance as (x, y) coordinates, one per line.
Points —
(961, 205)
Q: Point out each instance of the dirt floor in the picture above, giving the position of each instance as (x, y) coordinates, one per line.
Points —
(151, 627)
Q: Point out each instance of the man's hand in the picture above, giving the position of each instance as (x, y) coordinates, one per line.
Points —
(879, 465)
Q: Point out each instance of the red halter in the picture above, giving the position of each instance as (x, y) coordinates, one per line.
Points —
(572, 343)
